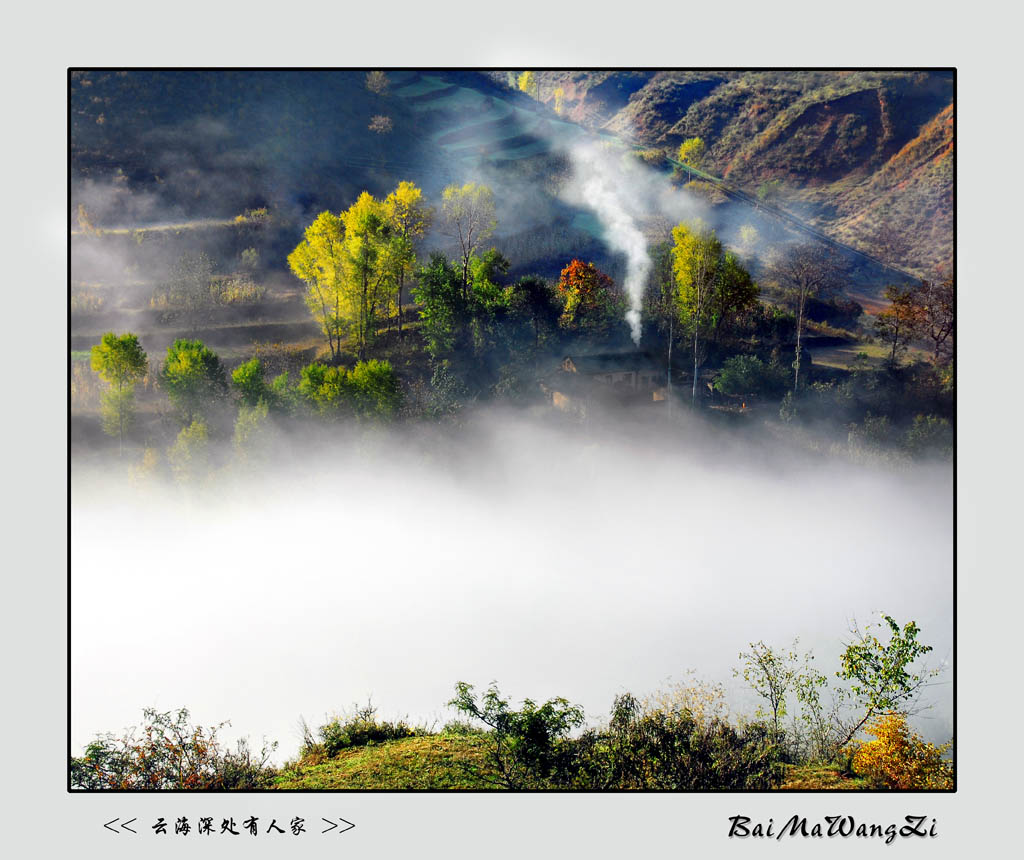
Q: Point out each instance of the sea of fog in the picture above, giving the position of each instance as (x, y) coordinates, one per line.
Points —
(555, 561)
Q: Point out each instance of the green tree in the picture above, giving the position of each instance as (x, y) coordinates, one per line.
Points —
(192, 376)
(120, 362)
(772, 674)
(444, 306)
(189, 456)
(735, 292)
(533, 300)
(488, 306)
(254, 433)
(468, 216)
(747, 374)
(247, 378)
(930, 435)
(881, 674)
(525, 742)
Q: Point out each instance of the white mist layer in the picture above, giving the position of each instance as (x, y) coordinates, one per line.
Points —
(597, 182)
(554, 563)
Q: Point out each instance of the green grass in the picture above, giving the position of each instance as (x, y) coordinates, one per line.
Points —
(427, 762)
(820, 778)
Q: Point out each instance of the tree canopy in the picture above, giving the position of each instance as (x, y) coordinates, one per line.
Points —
(468, 214)
(120, 362)
(593, 304)
(192, 375)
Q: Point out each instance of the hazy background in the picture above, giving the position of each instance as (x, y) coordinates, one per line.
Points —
(555, 560)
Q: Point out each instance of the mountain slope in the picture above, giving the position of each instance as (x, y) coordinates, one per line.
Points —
(863, 156)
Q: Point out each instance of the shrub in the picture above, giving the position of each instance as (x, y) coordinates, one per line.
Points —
(374, 389)
(898, 758)
(462, 728)
(529, 745)
(874, 432)
(238, 290)
(641, 747)
(168, 752)
(676, 749)
(747, 374)
(360, 729)
(370, 390)
(930, 436)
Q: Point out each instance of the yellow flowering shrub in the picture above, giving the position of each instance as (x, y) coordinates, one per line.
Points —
(898, 758)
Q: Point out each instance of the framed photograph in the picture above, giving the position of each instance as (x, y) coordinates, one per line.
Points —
(496, 437)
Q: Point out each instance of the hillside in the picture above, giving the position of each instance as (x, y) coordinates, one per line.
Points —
(446, 762)
(179, 149)
(149, 145)
(863, 156)
(429, 762)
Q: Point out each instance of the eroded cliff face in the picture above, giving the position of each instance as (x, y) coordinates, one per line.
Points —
(864, 156)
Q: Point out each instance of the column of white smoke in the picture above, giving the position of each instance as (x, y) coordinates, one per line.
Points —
(597, 176)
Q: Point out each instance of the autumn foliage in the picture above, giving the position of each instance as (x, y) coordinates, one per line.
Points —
(593, 304)
(898, 758)
(168, 752)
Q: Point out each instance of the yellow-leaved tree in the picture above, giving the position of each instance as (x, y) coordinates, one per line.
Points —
(409, 218)
(527, 82)
(368, 266)
(559, 100)
(691, 153)
(319, 261)
(468, 216)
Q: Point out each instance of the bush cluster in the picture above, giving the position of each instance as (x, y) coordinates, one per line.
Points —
(640, 747)
(358, 730)
(168, 752)
(898, 758)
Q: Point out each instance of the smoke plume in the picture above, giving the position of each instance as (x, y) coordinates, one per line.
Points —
(598, 179)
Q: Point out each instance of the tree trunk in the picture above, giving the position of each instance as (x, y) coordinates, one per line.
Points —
(668, 375)
(120, 420)
(696, 366)
(401, 285)
(799, 333)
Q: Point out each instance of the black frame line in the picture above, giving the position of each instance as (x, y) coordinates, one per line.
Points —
(278, 69)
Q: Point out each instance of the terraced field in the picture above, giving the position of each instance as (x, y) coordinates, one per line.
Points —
(470, 124)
